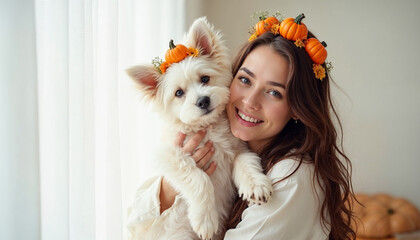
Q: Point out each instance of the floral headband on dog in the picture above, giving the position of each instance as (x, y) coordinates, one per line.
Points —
(293, 29)
(173, 55)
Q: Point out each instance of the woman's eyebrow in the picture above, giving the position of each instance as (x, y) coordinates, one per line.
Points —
(247, 71)
(277, 84)
(253, 75)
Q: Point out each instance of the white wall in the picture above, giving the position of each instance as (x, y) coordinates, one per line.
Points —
(374, 48)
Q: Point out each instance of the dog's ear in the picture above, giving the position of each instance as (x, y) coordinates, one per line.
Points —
(146, 78)
(203, 36)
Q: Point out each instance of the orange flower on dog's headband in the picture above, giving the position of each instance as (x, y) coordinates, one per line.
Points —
(293, 29)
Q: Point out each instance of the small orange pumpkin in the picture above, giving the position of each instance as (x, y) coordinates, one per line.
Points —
(382, 215)
(264, 25)
(175, 53)
(293, 28)
(316, 50)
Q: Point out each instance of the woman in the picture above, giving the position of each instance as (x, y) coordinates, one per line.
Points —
(284, 112)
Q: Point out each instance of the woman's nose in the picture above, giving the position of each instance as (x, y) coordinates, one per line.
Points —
(251, 100)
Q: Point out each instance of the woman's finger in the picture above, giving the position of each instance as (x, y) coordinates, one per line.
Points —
(210, 170)
(200, 153)
(193, 143)
(204, 160)
(179, 140)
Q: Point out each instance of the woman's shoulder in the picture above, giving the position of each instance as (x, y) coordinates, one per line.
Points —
(294, 167)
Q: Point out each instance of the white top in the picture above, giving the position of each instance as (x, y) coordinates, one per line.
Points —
(293, 212)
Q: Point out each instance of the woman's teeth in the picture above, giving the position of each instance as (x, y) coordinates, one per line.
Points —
(248, 119)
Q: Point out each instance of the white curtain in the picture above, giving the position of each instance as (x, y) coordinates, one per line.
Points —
(93, 137)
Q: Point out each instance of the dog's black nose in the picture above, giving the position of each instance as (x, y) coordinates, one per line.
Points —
(203, 102)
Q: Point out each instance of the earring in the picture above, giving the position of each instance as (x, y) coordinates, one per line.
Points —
(295, 121)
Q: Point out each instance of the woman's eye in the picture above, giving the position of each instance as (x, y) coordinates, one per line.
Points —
(244, 80)
(205, 79)
(275, 93)
(179, 93)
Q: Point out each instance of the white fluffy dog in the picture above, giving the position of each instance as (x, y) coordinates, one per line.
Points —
(192, 95)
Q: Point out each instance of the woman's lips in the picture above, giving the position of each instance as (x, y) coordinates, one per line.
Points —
(246, 120)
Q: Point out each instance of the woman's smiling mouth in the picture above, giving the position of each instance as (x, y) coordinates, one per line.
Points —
(245, 119)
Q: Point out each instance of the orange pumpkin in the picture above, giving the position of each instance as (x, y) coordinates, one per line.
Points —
(175, 53)
(316, 50)
(382, 215)
(264, 25)
(293, 28)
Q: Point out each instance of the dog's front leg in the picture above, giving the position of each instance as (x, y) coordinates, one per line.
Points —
(195, 187)
(253, 185)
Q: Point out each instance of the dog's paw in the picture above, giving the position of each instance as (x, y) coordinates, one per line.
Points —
(206, 224)
(256, 191)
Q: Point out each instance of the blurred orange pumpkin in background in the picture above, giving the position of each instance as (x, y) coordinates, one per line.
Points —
(382, 216)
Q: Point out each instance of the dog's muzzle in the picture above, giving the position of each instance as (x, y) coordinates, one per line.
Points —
(203, 103)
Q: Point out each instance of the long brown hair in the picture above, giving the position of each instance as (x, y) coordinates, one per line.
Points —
(314, 135)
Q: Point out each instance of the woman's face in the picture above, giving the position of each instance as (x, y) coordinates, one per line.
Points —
(258, 108)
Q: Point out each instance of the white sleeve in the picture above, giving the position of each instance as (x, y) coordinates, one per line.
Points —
(145, 208)
(293, 212)
(144, 220)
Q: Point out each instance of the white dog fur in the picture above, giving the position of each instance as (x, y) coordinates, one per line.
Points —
(205, 201)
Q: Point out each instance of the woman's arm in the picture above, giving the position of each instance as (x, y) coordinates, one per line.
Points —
(167, 195)
(153, 194)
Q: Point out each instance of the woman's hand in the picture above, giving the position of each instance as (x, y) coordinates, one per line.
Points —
(202, 155)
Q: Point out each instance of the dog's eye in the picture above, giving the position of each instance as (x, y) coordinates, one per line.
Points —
(179, 93)
(205, 79)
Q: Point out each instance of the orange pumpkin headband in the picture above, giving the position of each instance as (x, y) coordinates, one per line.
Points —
(293, 29)
(173, 55)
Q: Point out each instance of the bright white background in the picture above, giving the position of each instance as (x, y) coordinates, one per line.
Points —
(72, 131)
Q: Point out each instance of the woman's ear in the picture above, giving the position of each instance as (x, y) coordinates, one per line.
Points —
(295, 118)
